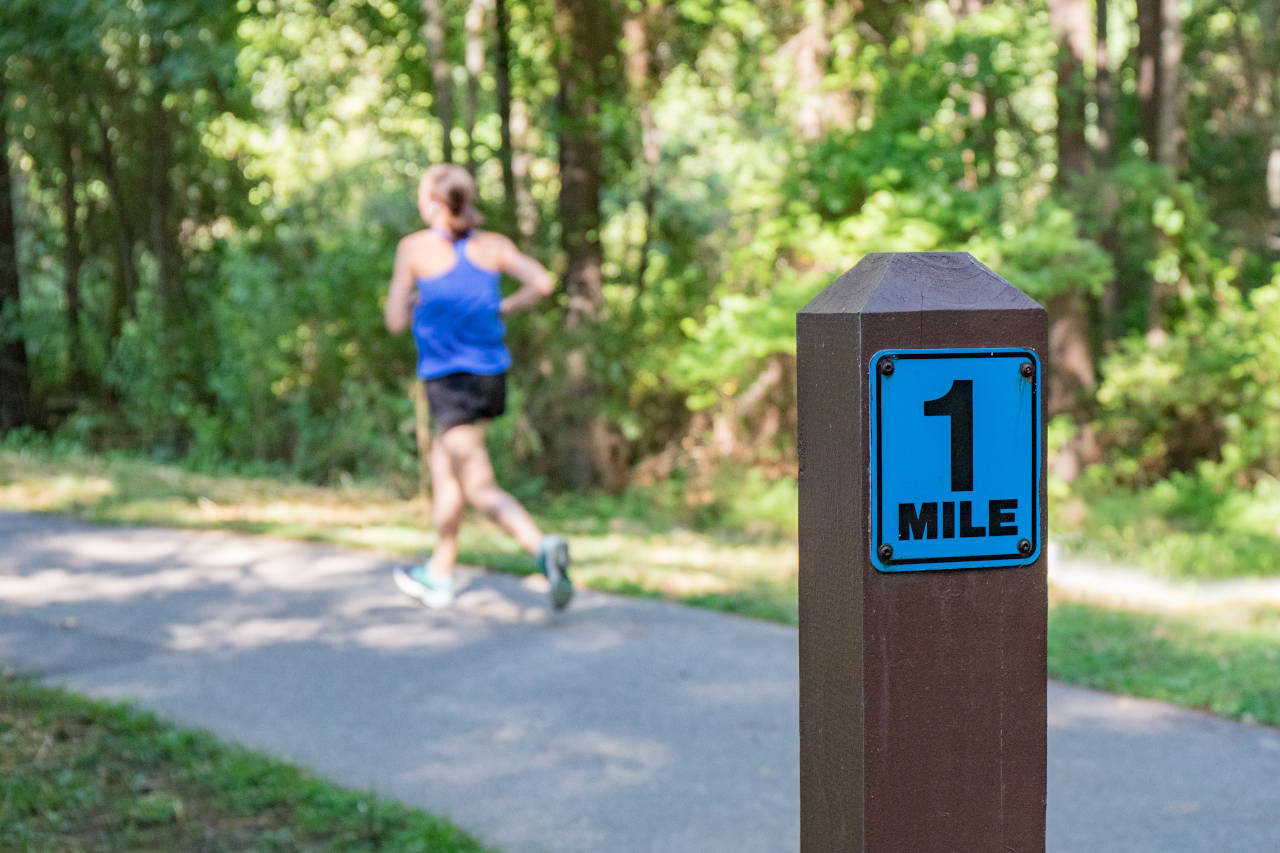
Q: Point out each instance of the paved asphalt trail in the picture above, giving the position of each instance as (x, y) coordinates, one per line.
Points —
(621, 725)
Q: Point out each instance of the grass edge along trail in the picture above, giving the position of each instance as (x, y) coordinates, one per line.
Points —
(84, 774)
(1193, 661)
(1220, 662)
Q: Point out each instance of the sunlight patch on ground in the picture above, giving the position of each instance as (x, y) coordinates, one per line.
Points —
(679, 564)
(54, 493)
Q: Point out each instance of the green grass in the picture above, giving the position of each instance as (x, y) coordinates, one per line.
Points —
(1199, 662)
(1188, 526)
(78, 774)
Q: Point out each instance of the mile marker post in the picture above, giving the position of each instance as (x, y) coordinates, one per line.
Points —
(923, 594)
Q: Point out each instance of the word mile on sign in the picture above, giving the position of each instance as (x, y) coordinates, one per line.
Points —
(955, 458)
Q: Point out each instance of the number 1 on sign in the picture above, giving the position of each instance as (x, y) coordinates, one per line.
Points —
(957, 404)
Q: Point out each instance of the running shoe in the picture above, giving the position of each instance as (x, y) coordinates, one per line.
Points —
(434, 592)
(553, 559)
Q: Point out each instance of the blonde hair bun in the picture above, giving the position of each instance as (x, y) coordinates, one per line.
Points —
(454, 187)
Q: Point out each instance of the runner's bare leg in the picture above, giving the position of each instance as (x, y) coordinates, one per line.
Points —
(446, 510)
(464, 447)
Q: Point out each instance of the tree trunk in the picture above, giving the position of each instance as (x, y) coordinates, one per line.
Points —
(1070, 375)
(1070, 380)
(16, 408)
(641, 79)
(1170, 129)
(1159, 92)
(160, 213)
(1270, 79)
(1160, 103)
(502, 83)
(521, 159)
(581, 26)
(981, 133)
(812, 46)
(882, 16)
(1104, 159)
(72, 257)
(474, 60)
(160, 197)
(1273, 193)
(1104, 147)
(589, 450)
(1148, 83)
(441, 77)
(126, 278)
(1070, 22)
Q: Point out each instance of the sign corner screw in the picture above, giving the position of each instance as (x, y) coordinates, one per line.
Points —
(1024, 547)
(886, 369)
(885, 551)
(1027, 369)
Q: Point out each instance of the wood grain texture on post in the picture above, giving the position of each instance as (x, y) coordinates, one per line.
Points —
(923, 596)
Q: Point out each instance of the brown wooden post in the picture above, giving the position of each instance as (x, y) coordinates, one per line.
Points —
(922, 691)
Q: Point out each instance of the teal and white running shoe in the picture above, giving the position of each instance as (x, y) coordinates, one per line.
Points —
(432, 591)
(553, 559)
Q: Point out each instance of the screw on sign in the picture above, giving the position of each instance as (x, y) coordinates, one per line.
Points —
(923, 596)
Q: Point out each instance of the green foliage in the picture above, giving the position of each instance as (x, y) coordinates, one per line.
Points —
(229, 299)
(1189, 525)
(1189, 424)
(1045, 256)
(1226, 670)
(1204, 400)
(1164, 231)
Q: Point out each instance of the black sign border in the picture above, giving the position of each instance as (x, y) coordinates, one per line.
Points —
(878, 538)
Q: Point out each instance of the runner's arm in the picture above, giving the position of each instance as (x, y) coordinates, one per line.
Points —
(535, 281)
(398, 310)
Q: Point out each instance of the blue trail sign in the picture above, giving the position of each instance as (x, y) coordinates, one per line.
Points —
(955, 458)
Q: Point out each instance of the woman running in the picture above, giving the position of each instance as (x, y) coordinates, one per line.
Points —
(445, 286)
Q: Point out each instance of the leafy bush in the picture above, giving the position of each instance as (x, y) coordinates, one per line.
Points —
(1207, 399)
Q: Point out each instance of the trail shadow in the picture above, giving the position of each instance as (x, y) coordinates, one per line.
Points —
(589, 729)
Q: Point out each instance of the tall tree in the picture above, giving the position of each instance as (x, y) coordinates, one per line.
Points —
(474, 22)
(1269, 81)
(1104, 159)
(584, 40)
(521, 165)
(1148, 88)
(641, 79)
(589, 450)
(1071, 31)
(125, 283)
(1161, 112)
(502, 85)
(441, 73)
(72, 254)
(161, 197)
(811, 46)
(979, 109)
(1171, 126)
(1104, 146)
(15, 377)
(1159, 98)
(1071, 376)
(1273, 192)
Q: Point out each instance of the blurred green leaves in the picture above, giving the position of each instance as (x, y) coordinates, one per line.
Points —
(794, 138)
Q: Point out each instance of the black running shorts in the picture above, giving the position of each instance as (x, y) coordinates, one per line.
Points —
(464, 398)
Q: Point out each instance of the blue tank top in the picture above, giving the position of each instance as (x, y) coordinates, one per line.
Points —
(456, 324)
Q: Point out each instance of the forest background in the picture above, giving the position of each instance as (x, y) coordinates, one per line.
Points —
(200, 200)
